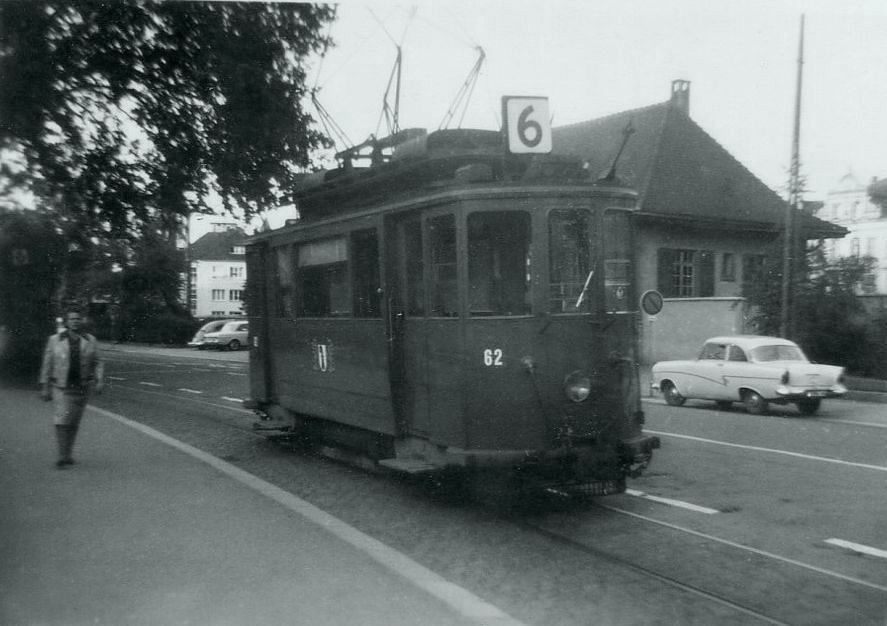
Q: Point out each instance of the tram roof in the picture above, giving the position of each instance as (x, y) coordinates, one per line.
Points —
(428, 162)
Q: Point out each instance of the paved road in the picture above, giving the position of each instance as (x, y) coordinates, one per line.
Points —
(145, 530)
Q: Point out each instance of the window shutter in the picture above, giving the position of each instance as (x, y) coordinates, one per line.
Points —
(706, 273)
(664, 269)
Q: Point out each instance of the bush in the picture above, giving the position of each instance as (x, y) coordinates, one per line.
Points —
(164, 328)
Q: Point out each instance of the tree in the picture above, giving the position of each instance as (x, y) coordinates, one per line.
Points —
(122, 114)
(829, 321)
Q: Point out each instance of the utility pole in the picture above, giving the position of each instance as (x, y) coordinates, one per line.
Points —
(794, 195)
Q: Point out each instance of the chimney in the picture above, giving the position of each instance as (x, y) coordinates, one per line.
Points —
(680, 95)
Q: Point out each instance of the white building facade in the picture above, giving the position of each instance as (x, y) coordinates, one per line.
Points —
(850, 206)
(218, 275)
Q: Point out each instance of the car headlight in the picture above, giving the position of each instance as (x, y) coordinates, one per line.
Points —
(577, 386)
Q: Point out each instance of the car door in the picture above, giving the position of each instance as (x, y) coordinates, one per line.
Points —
(735, 371)
(708, 383)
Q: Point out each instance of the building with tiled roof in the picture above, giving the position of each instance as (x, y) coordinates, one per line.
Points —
(705, 221)
(217, 274)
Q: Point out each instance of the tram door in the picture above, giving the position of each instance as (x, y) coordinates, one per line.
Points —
(424, 325)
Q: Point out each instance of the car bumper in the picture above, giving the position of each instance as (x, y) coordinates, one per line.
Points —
(790, 393)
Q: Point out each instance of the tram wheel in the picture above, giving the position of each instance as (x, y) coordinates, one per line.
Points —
(672, 395)
(809, 407)
(755, 403)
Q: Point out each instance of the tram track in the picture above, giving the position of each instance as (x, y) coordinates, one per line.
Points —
(767, 587)
(670, 581)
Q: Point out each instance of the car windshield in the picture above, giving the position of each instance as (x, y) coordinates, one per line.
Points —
(780, 352)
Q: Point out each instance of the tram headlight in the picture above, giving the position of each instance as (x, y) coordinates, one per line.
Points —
(577, 386)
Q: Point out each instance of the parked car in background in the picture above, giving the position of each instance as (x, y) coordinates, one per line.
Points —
(752, 369)
(231, 336)
(210, 327)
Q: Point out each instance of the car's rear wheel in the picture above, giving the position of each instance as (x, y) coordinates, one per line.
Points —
(234, 345)
(671, 394)
(724, 405)
(755, 403)
(809, 407)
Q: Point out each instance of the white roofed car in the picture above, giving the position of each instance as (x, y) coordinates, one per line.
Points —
(752, 369)
(232, 336)
(210, 327)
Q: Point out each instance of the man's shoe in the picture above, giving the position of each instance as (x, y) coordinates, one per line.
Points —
(61, 464)
(68, 461)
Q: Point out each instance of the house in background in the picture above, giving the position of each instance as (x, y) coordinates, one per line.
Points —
(705, 221)
(849, 204)
(217, 274)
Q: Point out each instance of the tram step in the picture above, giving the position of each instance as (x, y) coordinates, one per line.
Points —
(409, 466)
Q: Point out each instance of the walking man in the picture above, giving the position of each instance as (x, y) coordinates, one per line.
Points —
(72, 368)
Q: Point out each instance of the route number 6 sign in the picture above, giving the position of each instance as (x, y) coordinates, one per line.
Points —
(527, 124)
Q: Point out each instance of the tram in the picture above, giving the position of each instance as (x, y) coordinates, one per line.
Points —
(455, 307)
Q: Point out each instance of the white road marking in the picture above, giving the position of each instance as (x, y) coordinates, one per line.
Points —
(141, 382)
(461, 600)
(232, 399)
(115, 378)
(670, 502)
(740, 546)
(189, 390)
(810, 457)
(858, 547)
(852, 422)
(235, 373)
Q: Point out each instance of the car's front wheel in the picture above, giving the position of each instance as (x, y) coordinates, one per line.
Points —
(671, 394)
(234, 345)
(809, 407)
(755, 403)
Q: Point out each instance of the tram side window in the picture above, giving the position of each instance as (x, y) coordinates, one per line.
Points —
(442, 243)
(285, 305)
(365, 253)
(323, 279)
(499, 263)
(617, 261)
(570, 258)
(414, 267)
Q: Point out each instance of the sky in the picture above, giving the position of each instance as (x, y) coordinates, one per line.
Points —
(591, 58)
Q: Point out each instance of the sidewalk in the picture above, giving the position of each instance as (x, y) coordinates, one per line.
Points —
(145, 530)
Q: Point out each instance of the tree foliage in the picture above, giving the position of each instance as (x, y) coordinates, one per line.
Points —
(826, 317)
(127, 113)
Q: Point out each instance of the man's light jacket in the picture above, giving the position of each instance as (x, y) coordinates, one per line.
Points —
(56, 361)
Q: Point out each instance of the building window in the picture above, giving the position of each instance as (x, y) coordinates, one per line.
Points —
(218, 294)
(217, 313)
(728, 267)
(753, 267)
(235, 295)
(238, 250)
(236, 272)
(686, 273)
(854, 247)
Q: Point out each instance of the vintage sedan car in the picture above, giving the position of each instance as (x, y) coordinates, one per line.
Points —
(751, 369)
(210, 327)
(231, 336)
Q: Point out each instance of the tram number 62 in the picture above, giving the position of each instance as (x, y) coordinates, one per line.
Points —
(493, 357)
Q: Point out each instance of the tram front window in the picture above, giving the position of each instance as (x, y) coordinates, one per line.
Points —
(617, 261)
(499, 263)
(570, 258)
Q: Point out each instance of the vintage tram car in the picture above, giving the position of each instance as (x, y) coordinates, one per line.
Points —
(453, 307)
